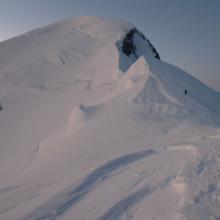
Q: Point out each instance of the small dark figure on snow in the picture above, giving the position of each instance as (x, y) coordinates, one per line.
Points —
(185, 92)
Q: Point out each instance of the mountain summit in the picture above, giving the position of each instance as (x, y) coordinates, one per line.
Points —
(94, 125)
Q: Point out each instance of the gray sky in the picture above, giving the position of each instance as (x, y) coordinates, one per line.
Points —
(185, 32)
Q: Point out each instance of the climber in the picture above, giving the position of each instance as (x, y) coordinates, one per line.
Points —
(185, 92)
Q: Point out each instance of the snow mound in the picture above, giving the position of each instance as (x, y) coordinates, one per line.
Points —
(133, 80)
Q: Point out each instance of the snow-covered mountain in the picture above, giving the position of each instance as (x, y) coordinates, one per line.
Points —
(94, 126)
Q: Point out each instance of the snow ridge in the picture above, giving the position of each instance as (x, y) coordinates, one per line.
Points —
(93, 125)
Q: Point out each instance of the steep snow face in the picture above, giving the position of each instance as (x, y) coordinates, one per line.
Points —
(174, 92)
(93, 125)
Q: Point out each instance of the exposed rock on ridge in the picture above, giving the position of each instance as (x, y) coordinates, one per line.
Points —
(129, 47)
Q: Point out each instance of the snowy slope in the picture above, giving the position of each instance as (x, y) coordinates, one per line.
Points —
(94, 125)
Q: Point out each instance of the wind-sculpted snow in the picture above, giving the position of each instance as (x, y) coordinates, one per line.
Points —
(80, 92)
(120, 210)
(63, 201)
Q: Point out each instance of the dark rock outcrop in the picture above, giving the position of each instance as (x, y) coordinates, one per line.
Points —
(156, 54)
(129, 47)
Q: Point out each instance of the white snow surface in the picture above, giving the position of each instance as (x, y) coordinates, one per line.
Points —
(87, 133)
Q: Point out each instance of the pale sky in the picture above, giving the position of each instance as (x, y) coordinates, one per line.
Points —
(185, 32)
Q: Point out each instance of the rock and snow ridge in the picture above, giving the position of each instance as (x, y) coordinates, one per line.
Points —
(93, 125)
(129, 47)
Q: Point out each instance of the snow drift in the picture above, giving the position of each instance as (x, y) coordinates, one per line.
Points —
(94, 125)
